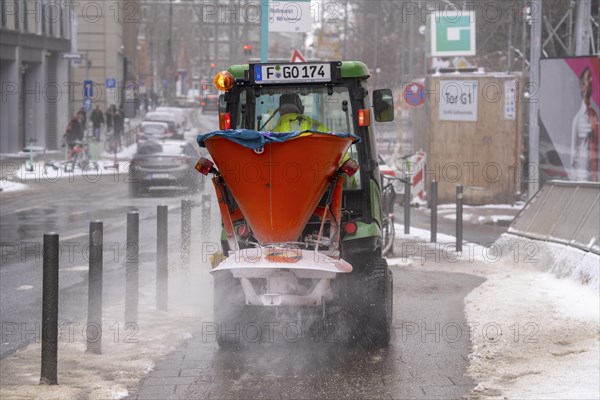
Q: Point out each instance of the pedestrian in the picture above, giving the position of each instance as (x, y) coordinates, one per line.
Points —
(154, 99)
(118, 123)
(82, 115)
(97, 118)
(109, 118)
(146, 104)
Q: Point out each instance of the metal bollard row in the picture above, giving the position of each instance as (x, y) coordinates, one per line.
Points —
(93, 334)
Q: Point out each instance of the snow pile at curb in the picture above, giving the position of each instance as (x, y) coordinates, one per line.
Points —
(8, 186)
(542, 337)
(565, 262)
(534, 335)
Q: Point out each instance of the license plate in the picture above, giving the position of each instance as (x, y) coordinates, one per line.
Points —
(292, 73)
(161, 176)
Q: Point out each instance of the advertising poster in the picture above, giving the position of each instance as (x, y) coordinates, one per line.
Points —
(569, 98)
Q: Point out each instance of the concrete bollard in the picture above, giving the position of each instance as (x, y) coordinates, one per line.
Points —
(433, 202)
(459, 217)
(50, 310)
(186, 230)
(94, 342)
(162, 248)
(407, 201)
(132, 267)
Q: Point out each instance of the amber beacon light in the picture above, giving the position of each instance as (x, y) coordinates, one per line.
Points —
(224, 80)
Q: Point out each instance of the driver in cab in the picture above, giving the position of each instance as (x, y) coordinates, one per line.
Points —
(291, 116)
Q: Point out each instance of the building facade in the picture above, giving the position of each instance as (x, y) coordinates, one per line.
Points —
(106, 36)
(34, 79)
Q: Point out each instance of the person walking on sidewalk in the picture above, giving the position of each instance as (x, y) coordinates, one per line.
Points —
(97, 118)
(82, 115)
(119, 125)
(109, 118)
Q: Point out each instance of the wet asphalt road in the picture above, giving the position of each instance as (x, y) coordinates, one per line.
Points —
(427, 358)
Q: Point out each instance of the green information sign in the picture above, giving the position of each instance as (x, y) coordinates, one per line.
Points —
(452, 33)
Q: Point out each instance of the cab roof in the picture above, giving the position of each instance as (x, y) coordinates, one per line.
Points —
(350, 69)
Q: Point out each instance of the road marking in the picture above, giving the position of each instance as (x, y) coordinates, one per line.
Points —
(24, 287)
(25, 209)
(77, 268)
(73, 236)
(79, 212)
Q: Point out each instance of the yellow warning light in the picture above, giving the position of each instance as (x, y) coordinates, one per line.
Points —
(224, 80)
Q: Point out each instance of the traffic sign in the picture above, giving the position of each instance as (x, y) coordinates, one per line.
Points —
(452, 33)
(110, 83)
(297, 57)
(72, 56)
(87, 104)
(414, 94)
(88, 89)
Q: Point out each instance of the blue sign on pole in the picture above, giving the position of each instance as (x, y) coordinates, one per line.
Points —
(87, 104)
(111, 83)
(88, 89)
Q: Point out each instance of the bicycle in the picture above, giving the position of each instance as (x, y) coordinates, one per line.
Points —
(78, 155)
(388, 200)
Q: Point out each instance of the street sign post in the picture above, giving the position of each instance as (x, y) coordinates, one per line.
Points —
(88, 89)
(72, 56)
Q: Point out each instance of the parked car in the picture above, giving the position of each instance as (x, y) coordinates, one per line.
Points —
(166, 164)
(180, 114)
(153, 130)
(168, 118)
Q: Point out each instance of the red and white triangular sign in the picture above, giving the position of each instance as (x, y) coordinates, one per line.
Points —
(297, 57)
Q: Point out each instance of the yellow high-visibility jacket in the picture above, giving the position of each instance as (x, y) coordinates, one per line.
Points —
(293, 122)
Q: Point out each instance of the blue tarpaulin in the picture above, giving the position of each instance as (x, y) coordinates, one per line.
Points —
(255, 139)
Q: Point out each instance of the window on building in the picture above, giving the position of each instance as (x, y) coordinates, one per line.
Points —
(223, 32)
(16, 12)
(25, 16)
(3, 10)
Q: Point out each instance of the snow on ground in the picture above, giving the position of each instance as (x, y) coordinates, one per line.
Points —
(481, 219)
(126, 358)
(9, 186)
(126, 153)
(517, 206)
(57, 170)
(535, 324)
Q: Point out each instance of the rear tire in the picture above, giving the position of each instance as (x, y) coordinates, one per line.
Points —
(229, 307)
(377, 310)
